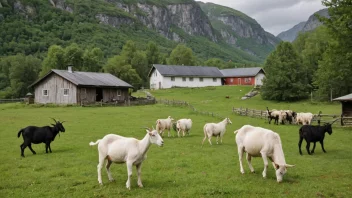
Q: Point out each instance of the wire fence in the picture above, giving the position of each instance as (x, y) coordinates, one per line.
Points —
(11, 100)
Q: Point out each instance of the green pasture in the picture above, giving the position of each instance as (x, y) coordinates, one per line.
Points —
(182, 168)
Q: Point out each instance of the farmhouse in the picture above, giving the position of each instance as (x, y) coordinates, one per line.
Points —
(71, 87)
(346, 102)
(167, 76)
(243, 76)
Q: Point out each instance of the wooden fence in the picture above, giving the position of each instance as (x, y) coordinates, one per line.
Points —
(11, 100)
(139, 101)
(317, 119)
(188, 105)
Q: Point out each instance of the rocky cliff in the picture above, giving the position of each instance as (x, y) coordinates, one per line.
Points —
(312, 23)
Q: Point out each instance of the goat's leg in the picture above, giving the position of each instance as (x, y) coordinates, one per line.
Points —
(307, 147)
(209, 139)
(217, 139)
(30, 147)
(99, 167)
(299, 144)
(249, 160)
(265, 159)
(313, 148)
(129, 174)
(22, 149)
(205, 137)
(50, 148)
(108, 164)
(240, 156)
(322, 145)
(139, 172)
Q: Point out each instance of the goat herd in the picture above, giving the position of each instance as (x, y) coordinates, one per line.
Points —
(255, 141)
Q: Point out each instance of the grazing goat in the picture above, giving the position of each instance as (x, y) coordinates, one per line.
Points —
(215, 129)
(121, 149)
(273, 114)
(304, 118)
(313, 134)
(36, 135)
(183, 125)
(260, 142)
(164, 124)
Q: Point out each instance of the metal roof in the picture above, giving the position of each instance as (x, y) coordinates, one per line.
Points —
(178, 70)
(88, 79)
(241, 72)
(344, 98)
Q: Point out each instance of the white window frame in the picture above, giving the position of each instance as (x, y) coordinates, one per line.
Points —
(119, 92)
(68, 91)
(173, 78)
(191, 79)
(215, 79)
(200, 79)
(47, 92)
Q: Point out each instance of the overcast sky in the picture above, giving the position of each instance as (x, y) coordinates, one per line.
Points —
(274, 16)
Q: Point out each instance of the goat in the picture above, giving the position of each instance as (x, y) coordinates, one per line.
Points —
(164, 124)
(36, 135)
(304, 118)
(121, 149)
(215, 129)
(183, 125)
(313, 134)
(273, 114)
(260, 142)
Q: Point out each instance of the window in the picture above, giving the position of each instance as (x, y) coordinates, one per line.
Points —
(190, 78)
(45, 92)
(172, 78)
(118, 92)
(66, 91)
(200, 79)
(247, 80)
(183, 78)
(214, 79)
(231, 79)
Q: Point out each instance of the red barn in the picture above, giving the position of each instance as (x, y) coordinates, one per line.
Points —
(243, 76)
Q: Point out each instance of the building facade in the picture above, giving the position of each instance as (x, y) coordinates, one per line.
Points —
(243, 76)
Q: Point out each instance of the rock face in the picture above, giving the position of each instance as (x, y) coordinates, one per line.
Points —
(312, 23)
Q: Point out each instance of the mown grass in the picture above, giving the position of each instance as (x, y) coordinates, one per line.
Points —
(182, 168)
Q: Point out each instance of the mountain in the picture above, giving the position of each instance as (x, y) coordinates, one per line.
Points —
(240, 30)
(31, 26)
(312, 23)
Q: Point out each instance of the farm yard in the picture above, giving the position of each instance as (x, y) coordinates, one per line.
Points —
(181, 168)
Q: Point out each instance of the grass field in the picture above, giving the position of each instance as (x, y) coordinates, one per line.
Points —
(182, 168)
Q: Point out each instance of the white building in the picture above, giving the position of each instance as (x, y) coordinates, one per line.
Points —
(167, 76)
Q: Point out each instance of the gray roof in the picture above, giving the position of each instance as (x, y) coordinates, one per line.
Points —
(344, 98)
(178, 70)
(241, 72)
(88, 79)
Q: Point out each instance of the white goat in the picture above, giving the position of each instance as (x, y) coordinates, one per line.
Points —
(131, 151)
(304, 118)
(183, 125)
(164, 124)
(215, 129)
(260, 142)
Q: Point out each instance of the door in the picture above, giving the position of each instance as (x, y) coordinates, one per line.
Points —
(239, 81)
(98, 94)
(159, 85)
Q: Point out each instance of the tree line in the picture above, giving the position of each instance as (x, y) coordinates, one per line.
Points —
(132, 64)
(319, 61)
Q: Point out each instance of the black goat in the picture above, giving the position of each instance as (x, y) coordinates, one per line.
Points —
(36, 135)
(313, 134)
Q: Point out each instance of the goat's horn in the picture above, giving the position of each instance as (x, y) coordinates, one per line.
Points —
(63, 122)
(335, 121)
(54, 120)
(147, 128)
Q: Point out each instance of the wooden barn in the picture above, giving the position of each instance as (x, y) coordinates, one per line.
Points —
(346, 102)
(243, 76)
(73, 87)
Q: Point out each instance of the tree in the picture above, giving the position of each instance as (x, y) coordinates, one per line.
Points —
(152, 53)
(182, 55)
(285, 76)
(335, 69)
(73, 56)
(119, 67)
(128, 51)
(140, 63)
(216, 62)
(93, 60)
(54, 60)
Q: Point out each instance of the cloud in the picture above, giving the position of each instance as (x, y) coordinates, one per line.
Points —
(274, 16)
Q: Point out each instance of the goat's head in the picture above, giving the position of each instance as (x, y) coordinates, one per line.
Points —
(170, 118)
(228, 121)
(59, 125)
(294, 114)
(154, 137)
(328, 127)
(281, 171)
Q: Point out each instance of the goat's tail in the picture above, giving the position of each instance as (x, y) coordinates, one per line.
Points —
(94, 143)
(235, 132)
(19, 133)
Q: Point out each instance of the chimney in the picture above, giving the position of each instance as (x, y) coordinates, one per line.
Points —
(69, 69)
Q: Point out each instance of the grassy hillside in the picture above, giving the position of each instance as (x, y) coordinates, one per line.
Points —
(38, 25)
(182, 168)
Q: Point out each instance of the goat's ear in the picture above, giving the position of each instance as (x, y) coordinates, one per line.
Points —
(53, 125)
(289, 166)
(277, 166)
(147, 131)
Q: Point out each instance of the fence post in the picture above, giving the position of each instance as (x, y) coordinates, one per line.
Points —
(261, 114)
(342, 120)
(246, 111)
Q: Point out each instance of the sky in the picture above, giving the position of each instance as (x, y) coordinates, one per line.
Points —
(274, 16)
